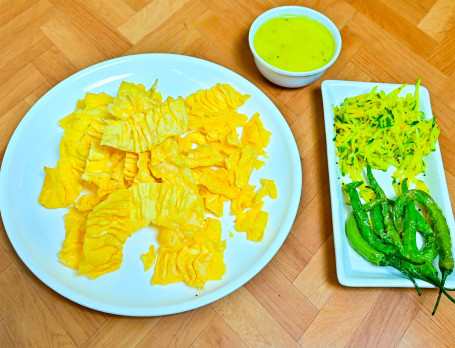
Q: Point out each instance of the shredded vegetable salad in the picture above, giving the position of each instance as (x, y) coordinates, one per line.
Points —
(382, 130)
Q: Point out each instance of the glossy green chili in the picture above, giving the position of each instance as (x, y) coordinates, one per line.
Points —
(410, 232)
(429, 250)
(441, 230)
(359, 244)
(439, 223)
(373, 204)
(365, 227)
(391, 235)
(363, 220)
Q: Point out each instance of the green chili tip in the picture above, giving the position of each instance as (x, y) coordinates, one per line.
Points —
(407, 274)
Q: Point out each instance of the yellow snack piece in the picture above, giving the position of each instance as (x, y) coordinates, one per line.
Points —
(166, 205)
(175, 171)
(214, 203)
(216, 181)
(247, 199)
(204, 156)
(149, 258)
(208, 101)
(108, 226)
(134, 99)
(165, 164)
(63, 184)
(245, 166)
(71, 253)
(253, 222)
(125, 211)
(255, 135)
(131, 168)
(105, 168)
(86, 203)
(144, 173)
(192, 254)
(268, 188)
(141, 131)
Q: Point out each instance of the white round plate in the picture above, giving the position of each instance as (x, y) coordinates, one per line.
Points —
(37, 233)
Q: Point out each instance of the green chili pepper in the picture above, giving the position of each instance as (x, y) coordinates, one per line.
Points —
(359, 244)
(440, 227)
(378, 225)
(363, 220)
(428, 273)
(429, 250)
(373, 204)
(364, 225)
(412, 220)
(410, 230)
(392, 237)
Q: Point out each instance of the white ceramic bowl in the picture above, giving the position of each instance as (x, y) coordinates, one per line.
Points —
(290, 78)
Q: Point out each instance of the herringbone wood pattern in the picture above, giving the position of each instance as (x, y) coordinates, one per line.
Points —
(296, 300)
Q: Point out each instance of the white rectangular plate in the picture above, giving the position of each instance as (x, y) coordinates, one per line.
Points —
(353, 269)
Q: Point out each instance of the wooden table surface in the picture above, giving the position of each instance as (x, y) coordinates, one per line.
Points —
(296, 299)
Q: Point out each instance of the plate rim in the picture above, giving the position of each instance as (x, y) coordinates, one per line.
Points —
(225, 290)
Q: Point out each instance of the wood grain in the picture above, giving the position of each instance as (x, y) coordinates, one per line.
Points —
(296, 300)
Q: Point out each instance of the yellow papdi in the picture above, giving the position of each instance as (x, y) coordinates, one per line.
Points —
(164, 163)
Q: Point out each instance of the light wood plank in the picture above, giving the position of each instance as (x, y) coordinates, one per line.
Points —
(314, 225)
(122, 332)
(189, 325)
(8, 12)
(318, 280)
(444, 316)
(99, 32)
(149, 18)
(218, 334)
(398, 63)
(26, 23)
(335, 330)
(114, 12)
(177, 35)
(282, 300)
(396, 24)
(387, 321)
(7, 337)
(5, 260)
(9, 122)
(54, 65)
(33, 97)
(251, 322)
(291, 258)
(424, 333)
(18, 302)
(439, 20)
(74, 44)
(412, 10)
(19, 54)
(17, 88)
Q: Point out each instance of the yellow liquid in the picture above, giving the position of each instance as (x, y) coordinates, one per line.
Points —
(294, 43)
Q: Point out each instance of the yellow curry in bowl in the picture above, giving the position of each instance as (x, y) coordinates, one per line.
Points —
(294, 43)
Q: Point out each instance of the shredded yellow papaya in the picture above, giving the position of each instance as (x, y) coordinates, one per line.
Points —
(382, 130)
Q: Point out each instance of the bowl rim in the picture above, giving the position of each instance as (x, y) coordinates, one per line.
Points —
(313, 14)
